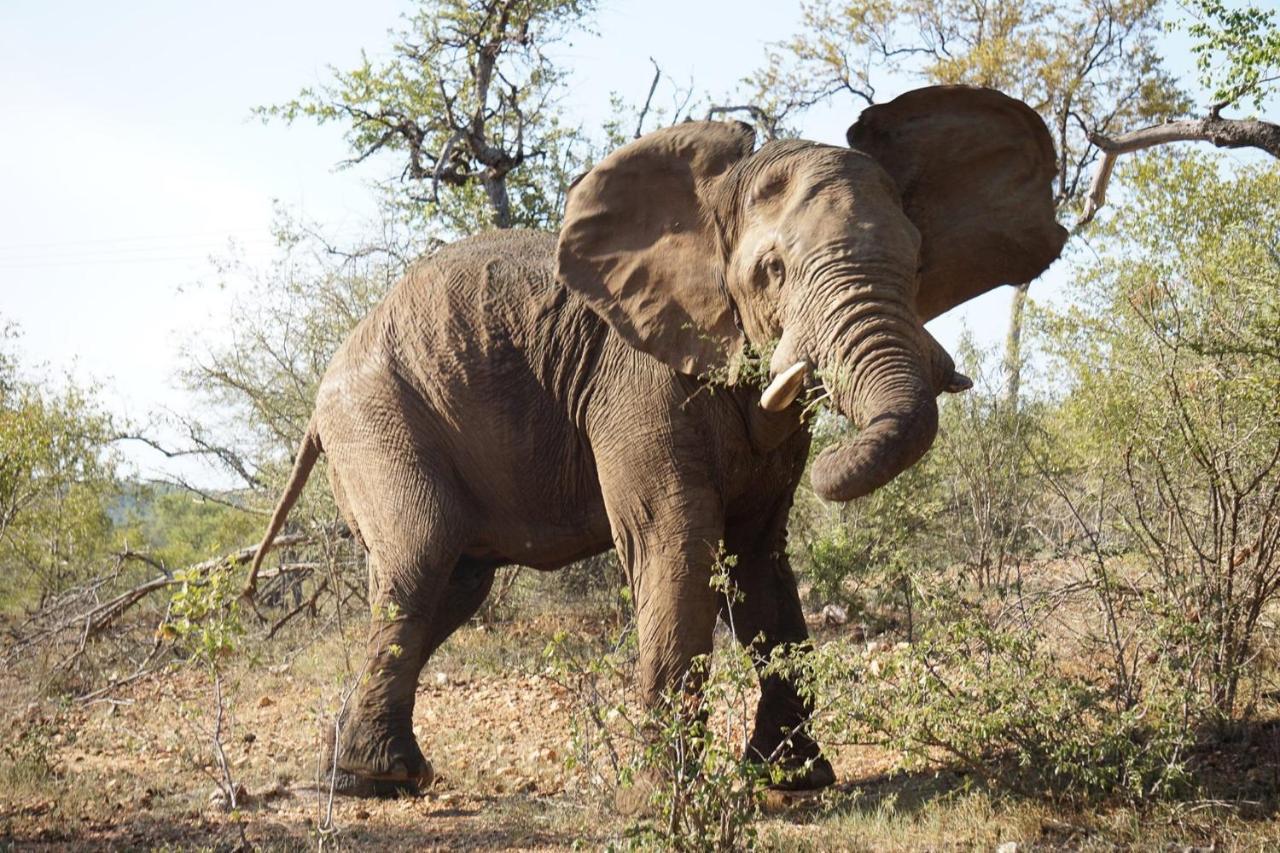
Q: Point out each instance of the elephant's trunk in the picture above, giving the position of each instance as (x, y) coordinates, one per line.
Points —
(880, 381)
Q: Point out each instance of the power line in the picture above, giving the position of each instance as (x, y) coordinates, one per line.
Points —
(189, 235)
(130, 250)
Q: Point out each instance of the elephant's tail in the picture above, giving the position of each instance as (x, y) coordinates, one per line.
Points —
(308, 452)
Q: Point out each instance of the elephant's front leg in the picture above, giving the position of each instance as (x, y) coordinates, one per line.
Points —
(667, 527)
(675, 612)
(765, 615)
(675, 620)
(668, 553)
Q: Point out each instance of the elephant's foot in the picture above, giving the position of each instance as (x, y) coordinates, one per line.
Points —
(803, 766)
(376, 761)
(811, 775)
(347, 784)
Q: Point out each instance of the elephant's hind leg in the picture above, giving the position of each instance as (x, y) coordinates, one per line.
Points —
(412, 523)
(466, 592)
(468, 587)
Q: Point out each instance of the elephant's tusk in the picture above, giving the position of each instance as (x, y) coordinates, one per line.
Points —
(783, 389)
(959, 382)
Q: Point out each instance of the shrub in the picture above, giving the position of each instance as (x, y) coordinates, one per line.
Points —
(687, 756)
(57, 479)
(988, 691)
(1171, 424)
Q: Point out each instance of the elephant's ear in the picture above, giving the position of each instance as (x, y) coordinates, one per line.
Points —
(975, 168)
(640, 243)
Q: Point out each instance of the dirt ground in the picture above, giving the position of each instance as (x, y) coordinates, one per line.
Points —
(136, 771)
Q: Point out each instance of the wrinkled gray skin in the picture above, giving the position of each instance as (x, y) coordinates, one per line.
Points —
(487, 414)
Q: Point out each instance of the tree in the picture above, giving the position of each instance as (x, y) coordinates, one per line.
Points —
(1173, 356)
(1085, 65)
(57, 483)
(1237, 52)
(1238, 55)
(283, 333)
(468, 99)
(181, 529)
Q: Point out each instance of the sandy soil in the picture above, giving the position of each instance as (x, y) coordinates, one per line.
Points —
(137, 772)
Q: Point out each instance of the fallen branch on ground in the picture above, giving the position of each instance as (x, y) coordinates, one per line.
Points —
(81, 610)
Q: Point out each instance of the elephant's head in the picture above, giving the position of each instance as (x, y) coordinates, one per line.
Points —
(690, 243)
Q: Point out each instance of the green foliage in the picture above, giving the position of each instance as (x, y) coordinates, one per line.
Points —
(834, 54)
(864, 553)
(258, 385)
(179, 528)
(986, 689)
(1161, 453)
(709, 793)
(1237, 50)
(686, 757)
(57, 479)
(1173, 354)
(468, 99)
(204, 622)
(204, 617)
(749, 369)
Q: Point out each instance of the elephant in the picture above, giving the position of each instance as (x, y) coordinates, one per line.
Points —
(535, 398)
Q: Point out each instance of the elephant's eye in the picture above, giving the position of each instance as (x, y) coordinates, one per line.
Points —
(774, 266)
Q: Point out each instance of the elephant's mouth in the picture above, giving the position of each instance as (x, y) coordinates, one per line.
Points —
(891, 396)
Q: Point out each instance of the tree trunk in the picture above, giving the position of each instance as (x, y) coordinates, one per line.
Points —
(1013, 347)
(496, 189)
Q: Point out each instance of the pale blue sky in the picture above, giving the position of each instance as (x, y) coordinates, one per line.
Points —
(128, 156)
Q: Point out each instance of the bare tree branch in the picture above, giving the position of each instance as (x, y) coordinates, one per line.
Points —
(1224, 133)
(653, 87)
(768, 123)
(54, 620)
(203, 448)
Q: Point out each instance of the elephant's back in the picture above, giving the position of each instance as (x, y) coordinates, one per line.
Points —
(513, 249)
(493, 266)
(482, 303)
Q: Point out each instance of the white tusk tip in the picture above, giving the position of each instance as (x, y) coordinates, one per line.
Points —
(784, 388)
